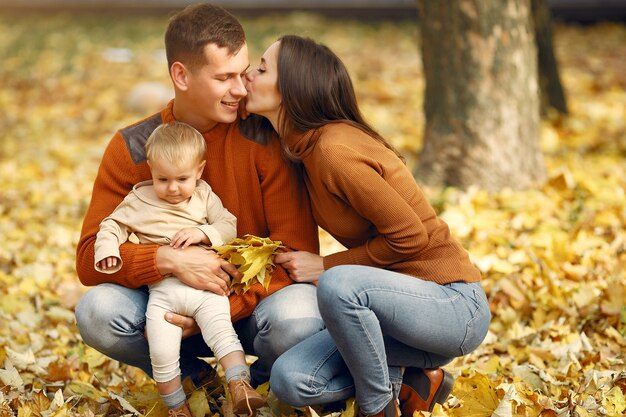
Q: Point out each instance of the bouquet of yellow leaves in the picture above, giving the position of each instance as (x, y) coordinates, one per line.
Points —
(254, 258)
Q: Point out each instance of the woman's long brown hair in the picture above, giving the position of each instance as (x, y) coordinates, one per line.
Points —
(316, 89)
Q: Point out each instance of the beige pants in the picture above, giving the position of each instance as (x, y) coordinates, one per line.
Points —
(211, 312)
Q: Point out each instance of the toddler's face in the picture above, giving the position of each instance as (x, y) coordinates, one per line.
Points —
(175, 183)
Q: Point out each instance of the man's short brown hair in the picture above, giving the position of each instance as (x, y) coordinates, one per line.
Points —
(196, 26)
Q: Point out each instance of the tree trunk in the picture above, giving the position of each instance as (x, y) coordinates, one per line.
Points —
(552, 95)
(481, 101)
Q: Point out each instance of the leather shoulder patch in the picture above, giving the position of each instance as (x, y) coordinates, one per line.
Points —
(137, 135)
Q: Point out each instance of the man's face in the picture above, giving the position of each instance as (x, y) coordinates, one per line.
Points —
(215, 89)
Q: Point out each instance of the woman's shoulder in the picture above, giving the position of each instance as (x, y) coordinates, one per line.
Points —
(344, 128)
(341, 138)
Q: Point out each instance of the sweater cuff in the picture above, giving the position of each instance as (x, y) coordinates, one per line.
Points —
(144, 265)
(212, 234)
(344, 258)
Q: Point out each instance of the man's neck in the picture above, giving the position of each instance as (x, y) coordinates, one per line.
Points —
(197, 122)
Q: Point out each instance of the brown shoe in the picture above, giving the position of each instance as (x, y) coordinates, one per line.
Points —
(245, 398)
(423, 388)
(390, 410)
(182, 411)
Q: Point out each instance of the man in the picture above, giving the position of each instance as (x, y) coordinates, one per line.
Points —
(207, 57)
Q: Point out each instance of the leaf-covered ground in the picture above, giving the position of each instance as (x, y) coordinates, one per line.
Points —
(553, 258)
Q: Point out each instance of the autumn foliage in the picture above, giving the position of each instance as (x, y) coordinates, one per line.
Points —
(553, 258)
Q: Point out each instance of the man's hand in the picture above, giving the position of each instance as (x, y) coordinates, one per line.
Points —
(302, 266)
(198, 268)
(188, 236)
(189, 325)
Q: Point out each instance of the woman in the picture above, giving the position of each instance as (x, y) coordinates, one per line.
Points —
(404, 295)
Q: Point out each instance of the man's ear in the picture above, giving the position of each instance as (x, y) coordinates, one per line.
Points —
(179, 74)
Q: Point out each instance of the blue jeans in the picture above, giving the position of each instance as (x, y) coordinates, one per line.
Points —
(111, 319)
(377, 322)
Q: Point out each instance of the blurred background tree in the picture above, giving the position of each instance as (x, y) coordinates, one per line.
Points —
(551, 91)
(490, 72)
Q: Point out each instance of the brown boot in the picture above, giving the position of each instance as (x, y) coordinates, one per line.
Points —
(245, 398)
(390, 410)
(182, 411)
(423, 388)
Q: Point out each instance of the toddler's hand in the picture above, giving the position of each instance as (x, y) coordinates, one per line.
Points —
(108, 262)
(188, 236)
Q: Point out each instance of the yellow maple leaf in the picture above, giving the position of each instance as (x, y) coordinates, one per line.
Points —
(24, 411)
(123, 402)
(85, 389)
(10, 376)
(253, 256)
(40, 402)
(614, 402)
(350, 410)
(477, 394)
(198, 404)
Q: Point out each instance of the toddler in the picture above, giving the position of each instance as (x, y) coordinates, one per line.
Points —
(177, 208)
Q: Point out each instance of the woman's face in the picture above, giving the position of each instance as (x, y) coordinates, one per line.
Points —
(263, 96)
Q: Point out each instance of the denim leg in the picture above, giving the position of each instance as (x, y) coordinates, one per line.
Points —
(279, 321)
(312, 373)
(112, 318)
(380, 318)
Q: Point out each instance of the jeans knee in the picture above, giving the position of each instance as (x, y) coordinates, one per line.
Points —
(107, 312)
(288, 333)
(285, 383)
(334, 285)
(286, 318)
(86, 313)
(278, 381)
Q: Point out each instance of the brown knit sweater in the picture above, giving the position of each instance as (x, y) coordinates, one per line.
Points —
(254, 182)
(364, 196)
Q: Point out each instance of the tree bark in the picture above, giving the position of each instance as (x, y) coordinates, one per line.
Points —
(552, 95)
(481, 101)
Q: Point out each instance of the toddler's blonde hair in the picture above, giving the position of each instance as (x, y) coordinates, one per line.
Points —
(175, 142)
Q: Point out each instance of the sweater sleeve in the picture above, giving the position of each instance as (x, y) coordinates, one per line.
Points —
(221, 224)
(107, 244)
(113, 182)
(114, 231)
(288, 219)
(357, 180)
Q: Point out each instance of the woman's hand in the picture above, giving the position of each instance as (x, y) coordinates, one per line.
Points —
(301, 266)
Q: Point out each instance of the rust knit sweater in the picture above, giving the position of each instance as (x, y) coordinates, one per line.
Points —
(364, 196)
(255, 183)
